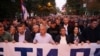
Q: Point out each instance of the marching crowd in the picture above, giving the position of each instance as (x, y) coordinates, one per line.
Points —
(65, 29)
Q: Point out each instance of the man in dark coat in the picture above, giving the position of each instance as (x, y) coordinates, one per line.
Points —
(53, 30)
(23, 35)
(92, 33)
(62, 38)
(68, 26)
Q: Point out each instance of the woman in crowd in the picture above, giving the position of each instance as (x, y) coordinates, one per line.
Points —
(75, 37)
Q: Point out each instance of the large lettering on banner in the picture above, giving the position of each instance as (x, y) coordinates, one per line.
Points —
(97, 52)
(53, 52)
(23, 50)
(29, 49)
(86, 51)
(1, 50)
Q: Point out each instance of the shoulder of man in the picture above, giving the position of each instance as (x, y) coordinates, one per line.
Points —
(6, 33)
(37, 34)
(48, 34)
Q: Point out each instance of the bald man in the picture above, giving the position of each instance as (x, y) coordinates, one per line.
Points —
(43, 36)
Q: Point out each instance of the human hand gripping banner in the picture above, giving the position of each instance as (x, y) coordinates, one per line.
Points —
(30, 49)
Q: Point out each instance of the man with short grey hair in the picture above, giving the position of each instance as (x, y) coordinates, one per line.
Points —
(43, 36)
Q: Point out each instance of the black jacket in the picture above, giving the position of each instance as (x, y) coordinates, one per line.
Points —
(69, 28)
(58, 38)
(93, 35)
(28, 36)
(54, 32)
(71, 38)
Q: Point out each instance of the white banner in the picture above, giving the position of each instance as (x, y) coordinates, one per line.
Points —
(30, 49)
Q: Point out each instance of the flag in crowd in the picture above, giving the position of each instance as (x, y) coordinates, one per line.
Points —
(25, 13)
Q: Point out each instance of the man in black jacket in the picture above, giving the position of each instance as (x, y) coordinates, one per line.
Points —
(23, 35)
(62, 38)
(68, 26)
(92, 33)
(53, 30)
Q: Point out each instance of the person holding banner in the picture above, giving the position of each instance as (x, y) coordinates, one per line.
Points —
(23, 35)
(4, 36)
(92, 33)
(53, 30)
(62, 38)
(76, 37)
(43, 36)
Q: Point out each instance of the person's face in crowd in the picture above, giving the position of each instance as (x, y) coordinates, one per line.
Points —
(39, 20)
(24, 26)
(76, 30)
(66, 20)
(35, 28)
(5, 22)
(1, 31)
(94, 24)
(15, 22)
(63, 31)
(44, 22)
(34, 21)
(49, 23)
(30, 22)
(53, 25)
(76, 19)
(21, 30)
(42, 30)
(57, 21)
(12, 30)
(76, 24)
(72, 19)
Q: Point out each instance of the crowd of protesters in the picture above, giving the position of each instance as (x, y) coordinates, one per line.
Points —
(64, 29)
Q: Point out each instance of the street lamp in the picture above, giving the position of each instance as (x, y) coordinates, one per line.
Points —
(49, 4)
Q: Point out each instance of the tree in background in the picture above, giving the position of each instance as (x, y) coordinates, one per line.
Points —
(76, 7)
(12, 8)
(8, 8)
(94, 7)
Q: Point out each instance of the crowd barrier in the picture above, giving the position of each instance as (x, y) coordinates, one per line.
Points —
(30, 49)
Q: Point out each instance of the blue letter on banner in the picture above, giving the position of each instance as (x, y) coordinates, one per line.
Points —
(85, 50)
(39, 52)
(1, 50)
(97, 52)
(53, 52)
(23, 50)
